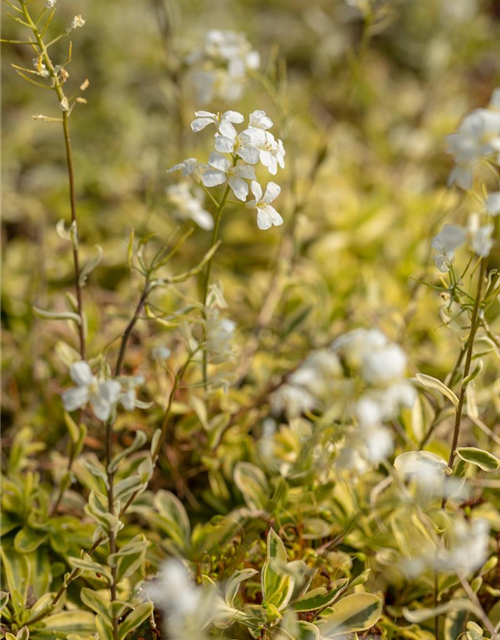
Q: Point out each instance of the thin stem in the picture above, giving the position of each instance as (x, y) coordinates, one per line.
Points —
(130, 327)
(206, 279)
(111, 507)
(69, 163)
(468, 360)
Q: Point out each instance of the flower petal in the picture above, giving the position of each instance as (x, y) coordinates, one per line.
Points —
(200, 123)
(256, 190)
(272, 192)
(224, 144)
(213, 177)
(81, 373)
(218, 162)
(75, 398)
(274, 216)
(239, 188)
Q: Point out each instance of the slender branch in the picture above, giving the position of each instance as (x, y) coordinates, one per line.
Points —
(468, 360)
(111, 508)
(130, 327)
(206, 279)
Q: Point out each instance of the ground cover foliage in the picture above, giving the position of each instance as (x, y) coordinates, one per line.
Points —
(250, 320)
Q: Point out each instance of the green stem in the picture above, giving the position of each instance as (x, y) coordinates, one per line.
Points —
(468, 360)
(111, 508)
(206, 279)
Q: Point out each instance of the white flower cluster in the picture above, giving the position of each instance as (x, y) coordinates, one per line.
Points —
(477, 139)
(102, 394)
(245, 150)
(76, 23)
(465, 552)
(188, 204)
(221, 65)
(365, 367)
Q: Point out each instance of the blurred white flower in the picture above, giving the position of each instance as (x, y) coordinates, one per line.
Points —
(219, 333)
(259, 120)
(103, 395)
(183, 603)
(50, 4)
(188, 204)
(223, 121)
(161, 352)
(477, 137)
(445, 243)
(76, 23)
(493, 203)
(190, 168)
(222, 64)
(128, 397)
(480, 236)
(222, 170)
(267, 216)
(40, 68)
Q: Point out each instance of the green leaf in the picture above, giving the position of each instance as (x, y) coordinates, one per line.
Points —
(434, 383)
(415, 461)
(277, 583)
(4, 599)
(173, 518)
(457, 604)
(61, 624)
(253, 484)
(357, 612)
(139, 440)
(135, 619)
(16, 571)
(97, 602)
(482, 459)
(320, 597)
(28, 540)
(233, 584)
(86, 564)
(129, 558)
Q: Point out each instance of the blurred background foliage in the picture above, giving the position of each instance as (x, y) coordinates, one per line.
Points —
(366, 102)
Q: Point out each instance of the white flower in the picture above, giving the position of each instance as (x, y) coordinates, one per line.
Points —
(128, 397)
(379, 445)
(383, 365)
(102, 394)
(271, 151)
(50, 4)
(222, 171)
(222, 121)
(267, 216)
(219, 333)
(493, 203)
(161, 352)
(477, 137)
(259, 120)
(190, 167)
(77, 22)
(468, 549)
(189, 204)
(243, 145)
(480, 236)
(445, 243)
(40, 68)
(186, 607)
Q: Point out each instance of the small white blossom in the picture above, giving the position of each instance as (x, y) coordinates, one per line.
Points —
(76, 23)
(480, 236)
(445, 243)
(40, 68)
(188, 204)
(219, 333)
(190, 168)
(50, 4)
(221, 171)
(128, 397)
(243, 145)
(267, 216)
(223, 121)
(259, 120)
(102, 394)
(271, 151)
(477, 137)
